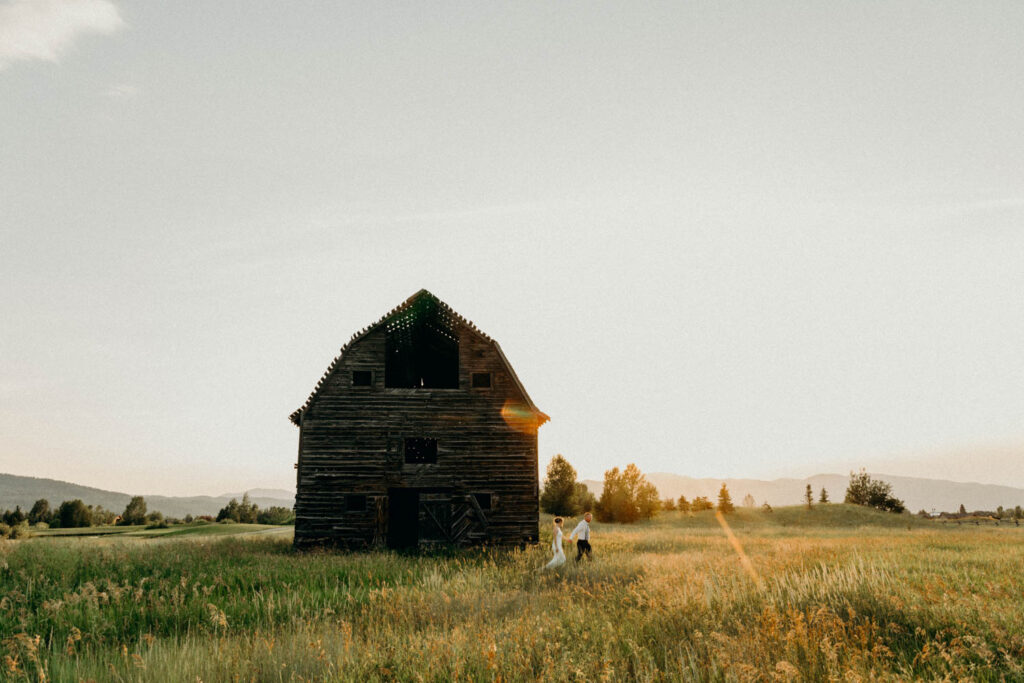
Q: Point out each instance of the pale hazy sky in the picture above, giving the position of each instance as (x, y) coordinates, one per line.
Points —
(717, 239)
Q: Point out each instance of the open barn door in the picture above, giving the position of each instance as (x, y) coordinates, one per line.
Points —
(403, 518)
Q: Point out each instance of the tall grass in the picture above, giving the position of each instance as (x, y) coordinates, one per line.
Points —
(837, 598)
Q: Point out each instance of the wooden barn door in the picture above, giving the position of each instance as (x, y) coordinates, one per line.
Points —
(403, 518)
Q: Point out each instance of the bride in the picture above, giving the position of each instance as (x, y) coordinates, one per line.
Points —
(556, 546)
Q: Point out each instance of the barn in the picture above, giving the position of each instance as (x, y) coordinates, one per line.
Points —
(418, 433)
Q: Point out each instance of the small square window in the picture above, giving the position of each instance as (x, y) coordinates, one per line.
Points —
(483, 500)
(355, 503)
(362, 378)
(419, 450)
(481, 380)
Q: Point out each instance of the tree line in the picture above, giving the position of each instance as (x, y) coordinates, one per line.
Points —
(75, 513)
(628, 497)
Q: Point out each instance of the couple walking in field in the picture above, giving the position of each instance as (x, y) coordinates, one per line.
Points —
(582, 536)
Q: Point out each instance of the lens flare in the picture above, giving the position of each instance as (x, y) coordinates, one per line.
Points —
(519, 417)
(735, 543)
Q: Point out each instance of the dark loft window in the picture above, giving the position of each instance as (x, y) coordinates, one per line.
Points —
(481, 380)
(362, 378)
(422, 349)
(483, 500)
(420, 450)
(355, 503)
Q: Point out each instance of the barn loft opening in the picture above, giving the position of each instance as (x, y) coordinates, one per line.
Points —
(422, 349)
(419, 451)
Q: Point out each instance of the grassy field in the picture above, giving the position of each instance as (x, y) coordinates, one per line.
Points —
(174, 530)
(833, 593)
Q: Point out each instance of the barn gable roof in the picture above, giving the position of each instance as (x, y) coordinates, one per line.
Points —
(397, 313)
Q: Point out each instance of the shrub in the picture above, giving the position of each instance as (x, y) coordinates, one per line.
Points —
(21, 530)
(863, 490)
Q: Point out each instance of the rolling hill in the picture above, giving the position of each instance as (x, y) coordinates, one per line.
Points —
(24, 491)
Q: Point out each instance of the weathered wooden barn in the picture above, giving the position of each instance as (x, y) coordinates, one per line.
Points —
(418, 433)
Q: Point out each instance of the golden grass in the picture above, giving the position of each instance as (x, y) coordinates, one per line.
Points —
(668, 600)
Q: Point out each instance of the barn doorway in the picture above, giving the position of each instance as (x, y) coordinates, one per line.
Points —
(403, 518)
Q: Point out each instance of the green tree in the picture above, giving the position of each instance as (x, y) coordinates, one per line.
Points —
(135, 511)
(562, 494)
(583, 499)
(823, 498)
(245, 512)
(73, 514)
(101, 515)
(809, 497)
(229, 512)
(863, 490)
(276, 515)
(725, 505)
(40, 512)
(963, 510)
(683, 504)
(14, 517)
(668, 505)
(701, 503)
(248, 511)
(559, 490)
(627, 496)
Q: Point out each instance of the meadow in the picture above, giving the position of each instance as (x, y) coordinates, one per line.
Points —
(834, 593)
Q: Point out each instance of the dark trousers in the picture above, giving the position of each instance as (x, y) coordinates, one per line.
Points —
(583, 548)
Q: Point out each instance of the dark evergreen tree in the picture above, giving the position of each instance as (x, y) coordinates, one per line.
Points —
(725, 505)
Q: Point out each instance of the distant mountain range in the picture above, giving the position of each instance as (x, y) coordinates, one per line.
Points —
(25, 491)
(916, 493)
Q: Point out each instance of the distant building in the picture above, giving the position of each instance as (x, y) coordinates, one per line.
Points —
(418, 433)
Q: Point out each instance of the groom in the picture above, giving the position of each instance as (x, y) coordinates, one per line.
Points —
(583, 531)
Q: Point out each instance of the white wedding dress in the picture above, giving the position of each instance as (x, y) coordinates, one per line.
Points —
(556, 546)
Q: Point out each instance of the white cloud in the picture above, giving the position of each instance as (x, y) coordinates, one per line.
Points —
(43, 29)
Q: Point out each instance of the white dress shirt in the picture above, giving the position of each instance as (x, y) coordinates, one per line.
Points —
(582, 530)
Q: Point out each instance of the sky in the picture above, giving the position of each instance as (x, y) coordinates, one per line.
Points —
(715, 239)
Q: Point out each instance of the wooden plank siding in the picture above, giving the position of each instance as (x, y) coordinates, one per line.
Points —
(351, 441)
